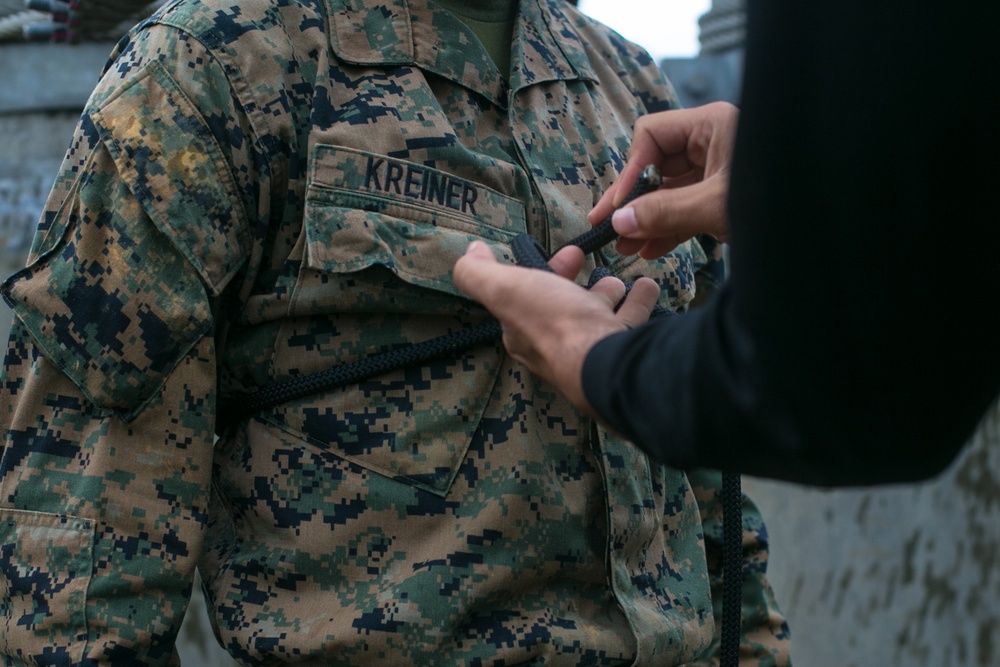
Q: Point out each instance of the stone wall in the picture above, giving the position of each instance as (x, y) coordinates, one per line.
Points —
(905, 576)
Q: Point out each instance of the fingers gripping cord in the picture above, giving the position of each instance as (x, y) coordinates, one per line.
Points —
(529, 253)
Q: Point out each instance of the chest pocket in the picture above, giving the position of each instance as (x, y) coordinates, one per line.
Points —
(380, 238)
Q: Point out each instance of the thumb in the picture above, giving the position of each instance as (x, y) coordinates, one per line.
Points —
(473, 270)
(676, 213)
(478, 250)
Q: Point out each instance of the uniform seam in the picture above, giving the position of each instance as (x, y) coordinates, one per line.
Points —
(216, 49)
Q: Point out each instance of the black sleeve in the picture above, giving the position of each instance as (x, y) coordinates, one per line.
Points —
(856, 339)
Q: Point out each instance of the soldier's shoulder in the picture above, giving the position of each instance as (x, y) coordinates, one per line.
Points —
(603, 41)
(612, 57)
(234, 24)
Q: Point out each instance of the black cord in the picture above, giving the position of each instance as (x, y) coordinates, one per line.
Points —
(732, 569)
(351, 373)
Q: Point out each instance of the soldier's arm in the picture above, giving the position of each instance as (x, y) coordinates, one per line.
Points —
(108, 389)
(107, 392)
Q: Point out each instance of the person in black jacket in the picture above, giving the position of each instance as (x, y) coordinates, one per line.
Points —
(851, 343)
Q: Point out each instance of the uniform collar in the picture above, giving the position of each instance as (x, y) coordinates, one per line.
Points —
(419, 33)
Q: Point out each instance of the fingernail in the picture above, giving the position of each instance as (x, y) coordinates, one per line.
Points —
(472, 246)
(624, 222)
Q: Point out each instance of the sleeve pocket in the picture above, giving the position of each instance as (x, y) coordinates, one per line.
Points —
(176, 169)
(45, 569)
(114, 304)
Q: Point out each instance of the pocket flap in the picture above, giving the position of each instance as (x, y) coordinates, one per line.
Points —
(98, 306)
(413, 425)
(367, 210)
(164, 149)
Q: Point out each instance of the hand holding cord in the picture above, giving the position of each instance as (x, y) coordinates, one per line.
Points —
(527, 252)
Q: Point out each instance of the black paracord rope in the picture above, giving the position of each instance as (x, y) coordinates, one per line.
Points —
(732, 569)
(369, 367)
(529, 253)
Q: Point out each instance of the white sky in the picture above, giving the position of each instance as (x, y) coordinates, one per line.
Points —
(666, 28)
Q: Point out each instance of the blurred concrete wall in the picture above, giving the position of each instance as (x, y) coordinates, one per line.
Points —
(905, 576)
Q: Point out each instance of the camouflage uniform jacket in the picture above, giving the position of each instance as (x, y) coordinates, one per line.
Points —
(264, 189)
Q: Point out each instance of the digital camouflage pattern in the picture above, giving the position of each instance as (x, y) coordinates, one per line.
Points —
(264, 189)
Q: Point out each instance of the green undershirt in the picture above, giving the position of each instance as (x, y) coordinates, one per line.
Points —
(493, 23)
